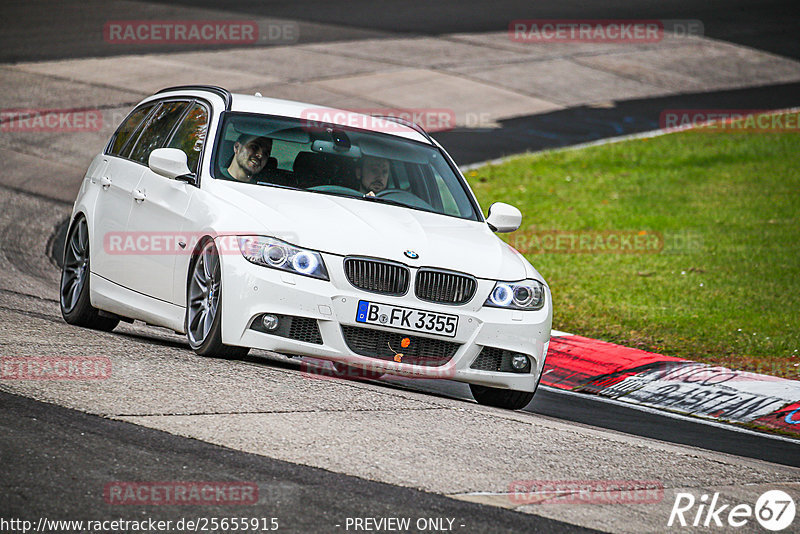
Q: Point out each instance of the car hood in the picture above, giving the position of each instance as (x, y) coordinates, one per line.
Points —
(350, 226)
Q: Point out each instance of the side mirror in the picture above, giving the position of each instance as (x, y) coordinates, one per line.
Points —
(503, 217)
(170, 163)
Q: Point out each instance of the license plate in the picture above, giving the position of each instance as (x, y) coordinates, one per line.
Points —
(443, 324)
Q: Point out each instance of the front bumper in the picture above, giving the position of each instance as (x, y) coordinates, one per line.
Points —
(249, 291)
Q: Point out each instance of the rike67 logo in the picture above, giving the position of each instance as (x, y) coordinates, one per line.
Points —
(774, 510)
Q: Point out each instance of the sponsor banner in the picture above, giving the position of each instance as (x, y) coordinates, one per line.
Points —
(574, 361)
(640, 377)
(180, 493)
(786, 419)
(705, 390)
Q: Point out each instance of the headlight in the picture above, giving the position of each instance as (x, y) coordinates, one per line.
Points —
(525, 295)
(271, 252)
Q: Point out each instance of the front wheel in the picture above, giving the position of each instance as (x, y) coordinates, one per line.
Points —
(501, 398)
(76, 307)
(204, 307)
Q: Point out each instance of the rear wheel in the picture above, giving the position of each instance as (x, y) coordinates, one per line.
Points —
(501, 398)
(204, 307)
(76, 307)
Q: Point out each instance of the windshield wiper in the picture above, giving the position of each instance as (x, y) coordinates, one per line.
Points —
(270, 184)
(373, 198)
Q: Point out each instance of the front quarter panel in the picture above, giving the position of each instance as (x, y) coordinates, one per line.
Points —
(210, 217)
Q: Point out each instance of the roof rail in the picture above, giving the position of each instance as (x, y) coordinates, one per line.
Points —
(222, 92)
(405, 122)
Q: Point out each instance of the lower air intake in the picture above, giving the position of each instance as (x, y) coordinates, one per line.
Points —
(383, 345)
(302, 329)
(494, 359)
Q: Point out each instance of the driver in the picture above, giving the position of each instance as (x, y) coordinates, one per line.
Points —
(250, 154)
(373, 174)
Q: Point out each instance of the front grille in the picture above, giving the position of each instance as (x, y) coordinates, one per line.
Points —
(300, 328)
(377, 276)
(379, 344)
(444, 287)
(494, 359)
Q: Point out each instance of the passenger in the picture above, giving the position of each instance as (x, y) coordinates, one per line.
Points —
(373, 174)
(250, 155)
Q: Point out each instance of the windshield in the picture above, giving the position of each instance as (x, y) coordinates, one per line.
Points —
(335, 160)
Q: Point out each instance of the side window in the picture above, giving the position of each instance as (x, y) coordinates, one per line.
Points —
(157, 129)
(125, 129)
(191, 135)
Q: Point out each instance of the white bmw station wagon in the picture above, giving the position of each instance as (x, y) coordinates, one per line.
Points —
(249, 222)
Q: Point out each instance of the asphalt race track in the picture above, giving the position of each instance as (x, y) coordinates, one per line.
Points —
(321, 451)
(769, 25)
(79, 453)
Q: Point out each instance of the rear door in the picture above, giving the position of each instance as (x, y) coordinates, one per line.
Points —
(135, 257)
(115, 179)
(161, 209)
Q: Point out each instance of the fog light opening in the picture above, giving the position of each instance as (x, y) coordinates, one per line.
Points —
(520, 363)
(269, 321)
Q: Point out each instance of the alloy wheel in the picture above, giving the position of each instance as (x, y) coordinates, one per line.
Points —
(75, 272)
(204, 287)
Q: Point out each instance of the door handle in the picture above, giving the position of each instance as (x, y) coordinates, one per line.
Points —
(139, 195)
(105, 181)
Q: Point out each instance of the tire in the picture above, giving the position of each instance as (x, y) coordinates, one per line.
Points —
(348, 371)
(203, 322)
(76, 307)
(501, 398)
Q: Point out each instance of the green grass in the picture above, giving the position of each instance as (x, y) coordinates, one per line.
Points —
(726, 287)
